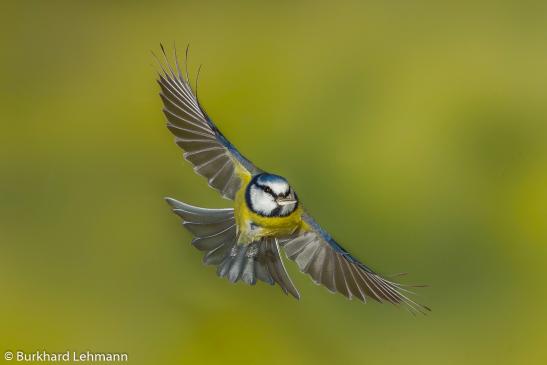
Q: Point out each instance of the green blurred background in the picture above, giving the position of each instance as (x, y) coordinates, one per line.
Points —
(415, 133)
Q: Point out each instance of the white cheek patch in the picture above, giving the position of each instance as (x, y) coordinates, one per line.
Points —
(261, 202)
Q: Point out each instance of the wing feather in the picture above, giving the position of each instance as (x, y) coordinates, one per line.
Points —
(327, 275)
(269, 255)
(212, 155)
(319, 255)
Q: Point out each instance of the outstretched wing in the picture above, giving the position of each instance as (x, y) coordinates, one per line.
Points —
(319, 255)
(212, 155)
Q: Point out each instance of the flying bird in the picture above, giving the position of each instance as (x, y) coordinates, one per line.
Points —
(244, 242)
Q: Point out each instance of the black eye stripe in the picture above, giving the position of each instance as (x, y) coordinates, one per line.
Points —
(265, 188)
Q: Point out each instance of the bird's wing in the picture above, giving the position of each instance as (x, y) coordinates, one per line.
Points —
(319, 255)
(212, 155)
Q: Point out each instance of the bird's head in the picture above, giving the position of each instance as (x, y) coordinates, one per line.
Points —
(271, 196)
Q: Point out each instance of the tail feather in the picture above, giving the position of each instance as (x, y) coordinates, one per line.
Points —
(275, 267)
(225, 264)
(236, 268)
(262, 273)
(215, 233)
(239, 264)
(248, 274)
(251, 268)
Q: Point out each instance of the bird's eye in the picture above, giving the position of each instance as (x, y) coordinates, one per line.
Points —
(268, 190)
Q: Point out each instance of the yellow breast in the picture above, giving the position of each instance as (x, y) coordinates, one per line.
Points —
(252, 227)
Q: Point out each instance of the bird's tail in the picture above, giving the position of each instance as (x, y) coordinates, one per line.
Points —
(215, 234)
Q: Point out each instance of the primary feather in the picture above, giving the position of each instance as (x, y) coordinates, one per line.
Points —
(205, 146)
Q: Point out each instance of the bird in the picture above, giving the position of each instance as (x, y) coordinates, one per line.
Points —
(244, 243)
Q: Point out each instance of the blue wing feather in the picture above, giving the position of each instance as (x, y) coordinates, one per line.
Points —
(329, 264)
(212, 155)
(332, 242)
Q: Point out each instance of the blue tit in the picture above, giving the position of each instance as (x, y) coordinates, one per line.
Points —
(244, 242)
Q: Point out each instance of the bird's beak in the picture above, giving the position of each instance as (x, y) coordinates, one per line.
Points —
(285, 201)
